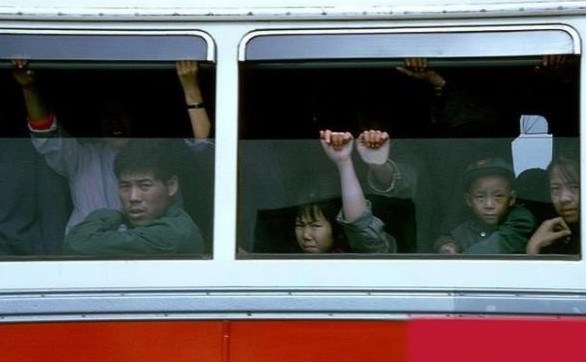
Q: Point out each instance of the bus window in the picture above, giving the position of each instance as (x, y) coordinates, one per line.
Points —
(451, 103)
(108, 142)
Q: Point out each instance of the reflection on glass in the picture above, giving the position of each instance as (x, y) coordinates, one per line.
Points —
(34, 202)
(102, 207)
(162, 186)
(468, 165)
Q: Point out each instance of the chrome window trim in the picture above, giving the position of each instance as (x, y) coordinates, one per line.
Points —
(428, 31)
(208, 40)
(257, 304)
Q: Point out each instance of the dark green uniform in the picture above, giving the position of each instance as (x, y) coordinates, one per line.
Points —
(508, 237)
(104, 232)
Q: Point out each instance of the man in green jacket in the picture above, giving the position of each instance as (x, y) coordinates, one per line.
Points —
(150, 222)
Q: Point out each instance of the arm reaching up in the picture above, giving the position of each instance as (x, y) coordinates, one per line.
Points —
(373, 146)
(37, 111)
(338, 148)
(187, 71)
(364, 231)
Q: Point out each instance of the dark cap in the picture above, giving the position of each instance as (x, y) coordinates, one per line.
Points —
(485, 167)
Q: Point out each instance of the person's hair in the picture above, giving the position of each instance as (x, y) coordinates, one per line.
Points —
(329, 209)
(146, 155)
(568, 167)
(487, 167)
(510, 180)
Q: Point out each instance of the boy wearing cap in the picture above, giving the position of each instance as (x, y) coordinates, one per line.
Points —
(498, 226)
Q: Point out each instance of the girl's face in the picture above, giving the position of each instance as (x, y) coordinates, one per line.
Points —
(314, 234)
(565, 195)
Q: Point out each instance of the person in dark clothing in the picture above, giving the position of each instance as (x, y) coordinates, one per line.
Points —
(561, 234)
(35, 202)
(498, 226)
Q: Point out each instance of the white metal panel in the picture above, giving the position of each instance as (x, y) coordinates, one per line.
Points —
(226, 272)
(158, 4)
(264, 9)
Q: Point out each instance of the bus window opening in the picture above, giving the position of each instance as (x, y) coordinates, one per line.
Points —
(435, 144)
(107, 162)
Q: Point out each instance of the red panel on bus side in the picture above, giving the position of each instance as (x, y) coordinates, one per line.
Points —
(490, 339)
(416, 340)
(317, 341)
(111, 342)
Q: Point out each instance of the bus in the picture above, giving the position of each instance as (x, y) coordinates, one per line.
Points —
(271, 76)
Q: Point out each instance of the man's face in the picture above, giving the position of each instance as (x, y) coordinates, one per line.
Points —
(144, 197)
(490, 198)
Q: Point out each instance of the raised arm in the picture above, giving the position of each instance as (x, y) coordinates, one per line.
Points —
(338, 148)
(62, 153)
(37, 111)
(187, 71)
(365, 232)
(373, 146)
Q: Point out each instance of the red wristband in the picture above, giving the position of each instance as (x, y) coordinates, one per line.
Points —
(42, 124)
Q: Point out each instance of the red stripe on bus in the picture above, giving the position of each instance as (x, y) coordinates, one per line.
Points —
(317, 341)
(196, 341)
(111, 342)
(502, 340)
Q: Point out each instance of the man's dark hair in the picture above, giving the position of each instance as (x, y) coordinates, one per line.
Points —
(147, 155)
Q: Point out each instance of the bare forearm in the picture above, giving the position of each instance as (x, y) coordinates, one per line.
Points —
(200, 122)
(35, 107)
(198, 116)
(354, 203)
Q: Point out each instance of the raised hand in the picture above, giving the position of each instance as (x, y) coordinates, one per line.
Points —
(26, 78)
(373, 146)
(418, 68)
(23, 75)
(551, 64)
(337, 145)
(187, 71)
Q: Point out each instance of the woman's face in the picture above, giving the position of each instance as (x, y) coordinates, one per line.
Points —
(314, 234)
(565, 195)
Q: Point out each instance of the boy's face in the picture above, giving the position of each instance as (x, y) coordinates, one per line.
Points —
(144, 197)
(490, 198)
(314, 235)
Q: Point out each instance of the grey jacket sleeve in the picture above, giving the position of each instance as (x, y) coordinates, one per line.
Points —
(367, 235)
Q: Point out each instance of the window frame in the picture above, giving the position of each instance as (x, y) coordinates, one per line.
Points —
(226, 273)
